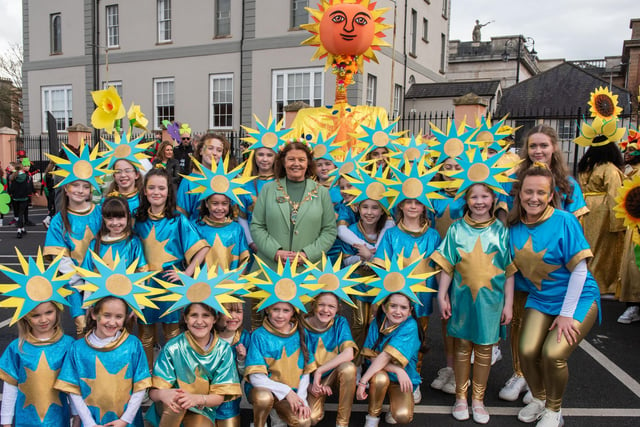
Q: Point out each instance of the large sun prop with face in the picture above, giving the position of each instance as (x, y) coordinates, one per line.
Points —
(346, 32)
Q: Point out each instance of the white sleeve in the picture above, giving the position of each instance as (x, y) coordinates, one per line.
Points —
(349, 236)
(574, 289)
(245, 226)
(262, 380)
(67, 265)
(8, 409)
(352, 259)
(83, 410)
(72, 407)
(387, 225)
(303, 387)
(132, 407)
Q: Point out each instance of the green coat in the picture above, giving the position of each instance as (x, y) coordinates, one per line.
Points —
(315, 229)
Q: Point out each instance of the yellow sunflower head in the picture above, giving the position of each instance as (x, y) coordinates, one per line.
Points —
(346, 28)
(604, 104)
(628, 199)
(599, 132)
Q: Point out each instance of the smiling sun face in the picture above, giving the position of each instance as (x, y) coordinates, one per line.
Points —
(346, 27)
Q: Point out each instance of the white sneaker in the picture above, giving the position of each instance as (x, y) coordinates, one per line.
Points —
(630, 315)
(371, 421)
(444, 375)
(389, 419)
(276, 421)
(496, 354)
(528, 397)
(46, 221)
(513, 387)
(450, 385)
(417, 396)
(532, 411)
(551, 419)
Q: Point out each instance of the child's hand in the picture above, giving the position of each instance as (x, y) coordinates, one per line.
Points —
(507, 315)
(445, 305)
(406, 386)
(361, 391)
(171, 276)
(242, 352)
(116, 423)
(187, 400)
(296, 403)
(565, 327)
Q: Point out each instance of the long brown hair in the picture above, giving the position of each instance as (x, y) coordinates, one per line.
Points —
(97, 308)
(113, 207)
(517, 213)
(138, 182)
(142, 213)
(558, 165)
(64, 206)
(24, 327)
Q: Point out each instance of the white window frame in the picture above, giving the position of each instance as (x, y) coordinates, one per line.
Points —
(115, 83)
(112, 24)
(170, 101)
(226, 92)
(397, 100)
(46, 102)
(222, 15)
(55, 33)
(372, 90)
(164, 21)
(316, 88)
(294, 6)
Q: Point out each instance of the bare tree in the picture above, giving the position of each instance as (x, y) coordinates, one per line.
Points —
(11, 86)
(11, 64)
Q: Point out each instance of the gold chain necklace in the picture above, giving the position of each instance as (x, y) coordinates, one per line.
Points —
(293, 216)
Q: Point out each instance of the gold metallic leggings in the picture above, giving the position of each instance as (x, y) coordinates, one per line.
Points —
(448, 342)
(147, 335)
(229, 422)
(185, 418)
(81, 323)
(462, 368)
(361, 318)
(423, 323)
(342, 378)
(400, 404)
(544, 360)
(263, 400)
(519, 300)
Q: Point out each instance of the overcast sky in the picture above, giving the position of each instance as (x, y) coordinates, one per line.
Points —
(570, 29)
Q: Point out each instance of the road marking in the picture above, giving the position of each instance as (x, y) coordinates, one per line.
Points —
(614, 369)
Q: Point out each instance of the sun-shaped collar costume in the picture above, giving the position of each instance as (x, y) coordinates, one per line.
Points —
(370, 184)
(210, 286)
(346, 32)
(271, 136)
(479, 168)
(118, 281)
(35, 285)
(323, 148)
(411, 150)
(393, 276)
(281, 285)
(453, 142)
(83, 167)
(415, 182)
(335, 280)
(219, 180)
(380, 136)
(490, 136)
(122, 148)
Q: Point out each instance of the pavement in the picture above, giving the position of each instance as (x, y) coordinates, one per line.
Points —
(603, 388)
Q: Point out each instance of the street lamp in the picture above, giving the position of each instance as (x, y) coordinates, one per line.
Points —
(528, 41)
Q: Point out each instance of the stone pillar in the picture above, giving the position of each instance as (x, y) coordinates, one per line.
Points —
(77, 133)
(7, 146)
(469, 108)
(291, 111)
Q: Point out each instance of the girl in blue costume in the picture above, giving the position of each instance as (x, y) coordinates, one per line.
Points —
(212, 148)
(229, 329)
(169, 241)
(391, 348)
(28, 369)
(333, 347)
(477, 304)
(278, 365)
(551, 253)
(262, 166)
(541, 145)
(78, 221)
(106, 372)
(128, 182)
(229, 247)
(195, 373)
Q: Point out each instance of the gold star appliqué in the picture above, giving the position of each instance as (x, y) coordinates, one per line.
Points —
(322, 356)
(285, 368)
(199, 385)
(532, 265)
(477, 269)
(38, 387)
(155, 251)
(81, 246)
(219, 254)
(109, 392)
(444, 222)
(423, 266)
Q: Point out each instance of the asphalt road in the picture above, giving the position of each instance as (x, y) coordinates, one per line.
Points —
(603, 389)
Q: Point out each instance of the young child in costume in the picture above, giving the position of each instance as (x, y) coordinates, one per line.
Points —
(170, 242)
(331, 342)
(75, 225)
(228, 247)
(106, 372)
(30, 363)
(279, 362)
(480, 299)
(229, 329)
(551, 253)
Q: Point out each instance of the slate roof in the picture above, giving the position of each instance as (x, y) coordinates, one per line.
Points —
(563, 90)
(452, 89)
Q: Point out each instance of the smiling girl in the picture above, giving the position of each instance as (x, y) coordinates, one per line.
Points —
(105, 373)
(128, 182)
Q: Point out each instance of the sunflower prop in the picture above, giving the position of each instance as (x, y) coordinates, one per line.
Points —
(628, 199)
(604, 104)
(35, 285)
(599, 132)
(346, 32)
(119, 281)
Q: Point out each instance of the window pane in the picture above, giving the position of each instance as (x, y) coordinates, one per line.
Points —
(222, 101)
(223, 17)
(113, 30)
(299, 15)
(297, 85)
